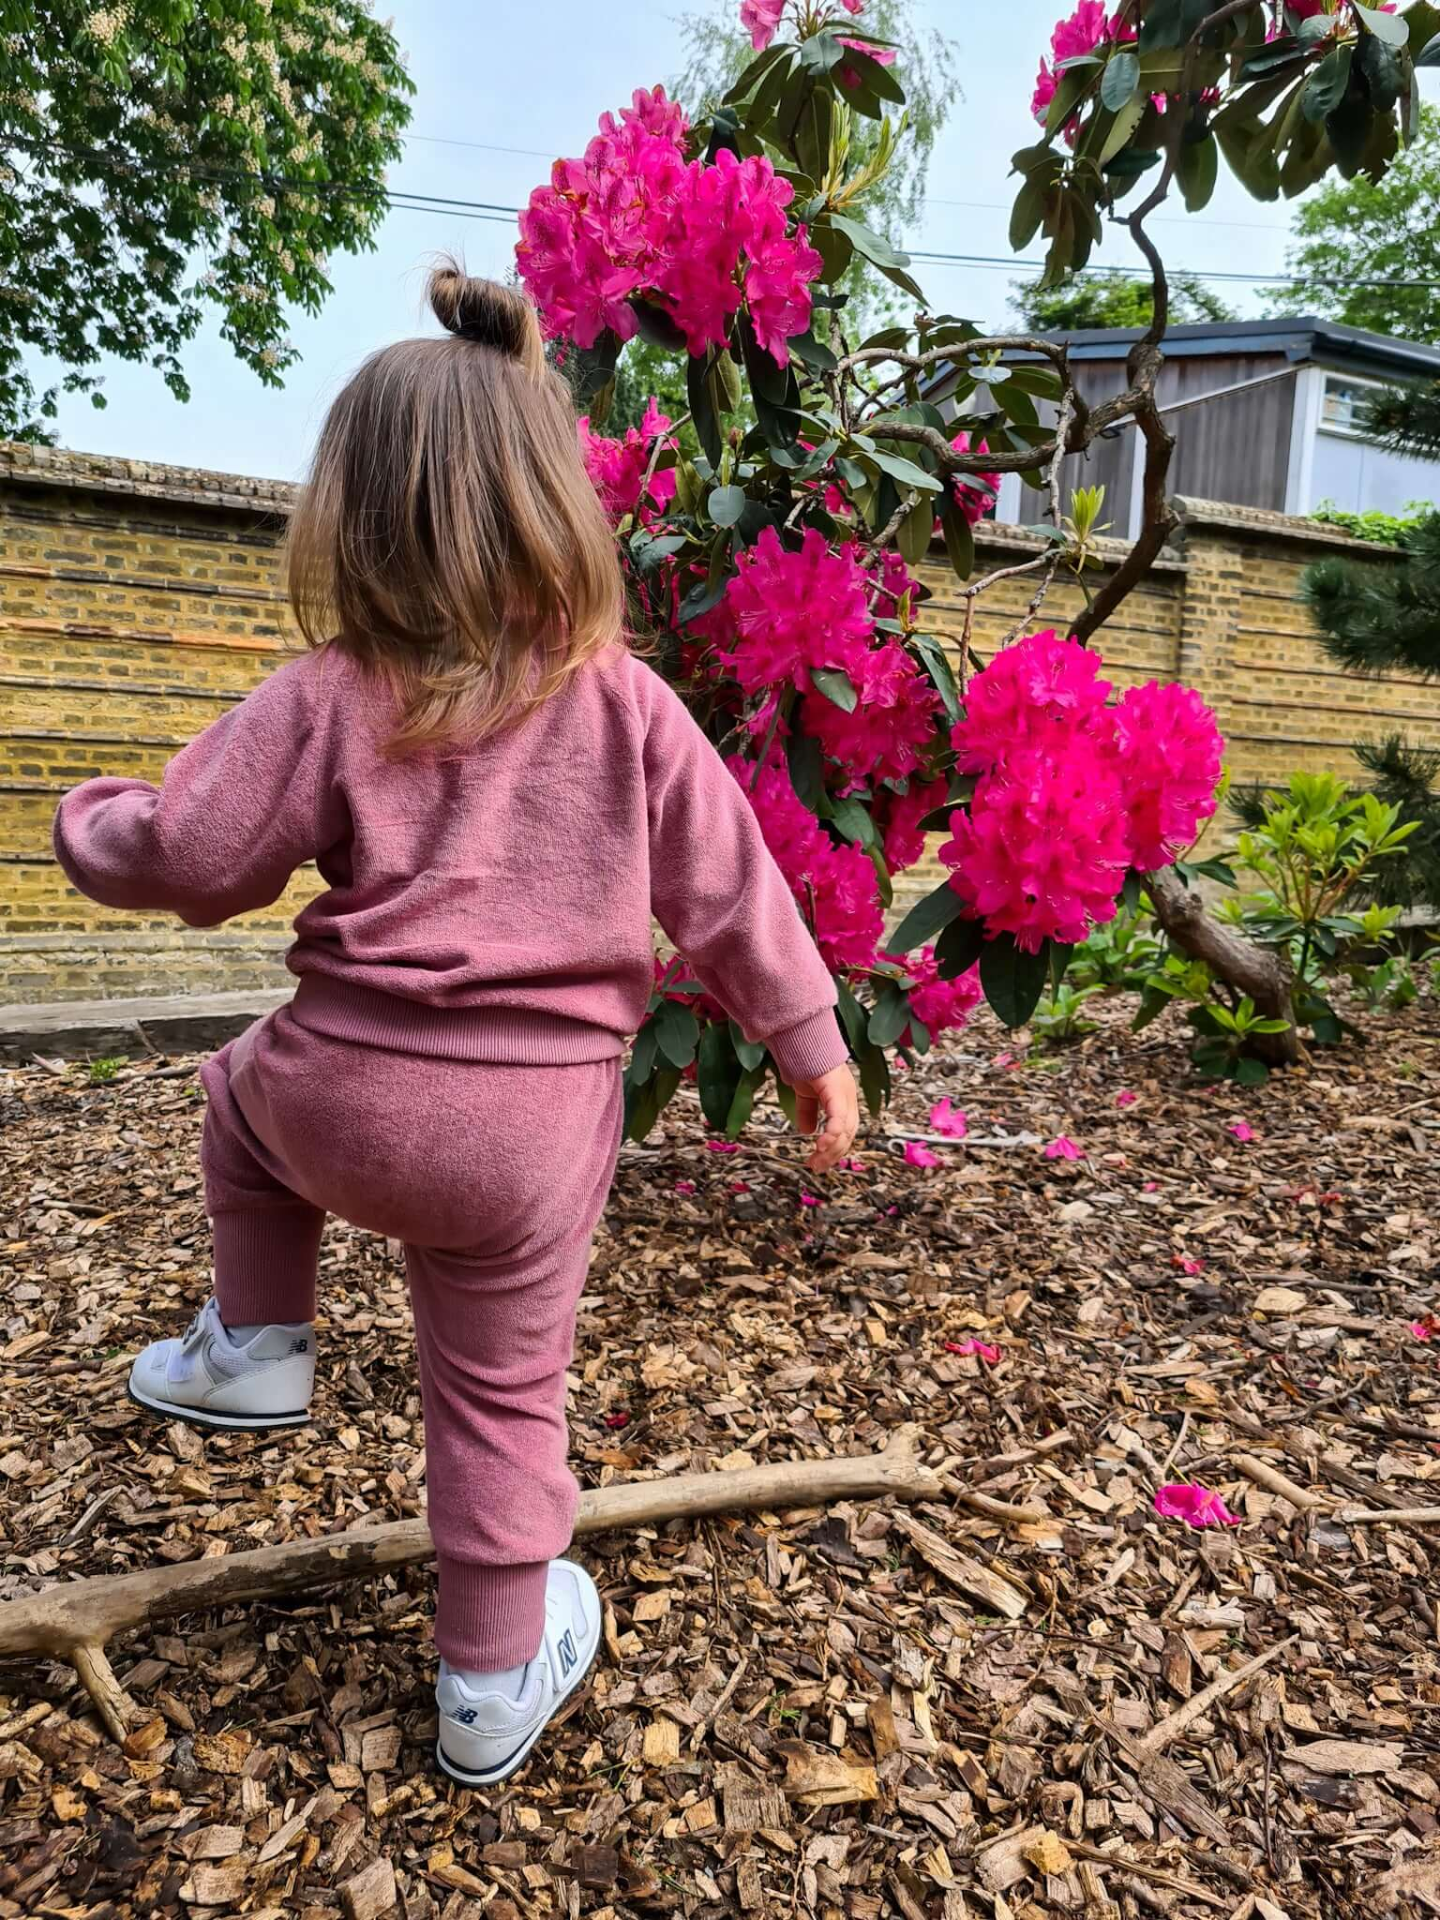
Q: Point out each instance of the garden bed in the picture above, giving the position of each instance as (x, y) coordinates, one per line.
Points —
(929, 1711)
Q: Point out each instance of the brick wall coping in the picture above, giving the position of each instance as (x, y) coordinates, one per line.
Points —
(24, 465)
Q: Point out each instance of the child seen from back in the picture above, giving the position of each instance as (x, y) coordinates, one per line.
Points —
(498, 797)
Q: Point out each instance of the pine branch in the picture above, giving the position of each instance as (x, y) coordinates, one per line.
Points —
(1380, 618)
(1407, 420)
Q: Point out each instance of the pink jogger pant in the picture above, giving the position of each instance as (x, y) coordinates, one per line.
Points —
(494, 1178)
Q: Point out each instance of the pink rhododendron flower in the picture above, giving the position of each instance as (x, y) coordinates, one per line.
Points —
(791, 610)
(900, 822)
(919, 1155)
(979, 1348)
(1169, 752)
(1042, 693)
(893, 721)
(973, 501)
(941, 1006)
(1126, 1098)
(617, 467)
(1041, 854)
(1080, 33)
(837, 884)
(894, 581)
(1064, 1148)
(1197, 1506)
(761, 20)
(948, 1120)
(1242, 1131)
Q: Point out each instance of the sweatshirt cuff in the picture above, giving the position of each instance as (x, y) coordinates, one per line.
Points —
(811, 1047)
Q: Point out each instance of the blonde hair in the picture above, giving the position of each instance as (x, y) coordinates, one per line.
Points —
(448, 535)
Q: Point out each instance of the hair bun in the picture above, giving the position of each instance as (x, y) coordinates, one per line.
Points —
(485, 312)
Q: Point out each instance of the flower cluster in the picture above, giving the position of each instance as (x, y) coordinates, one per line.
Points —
(973, 501)
(892, 725)
(942, 1006)
(761, 20)
(617, 467)
(899, 816)
(791, 609)
(634, 217)
(1078, 34)
(1072, 791)
(836, 886)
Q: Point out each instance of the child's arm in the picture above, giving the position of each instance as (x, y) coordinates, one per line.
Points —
(721, 898)
(235, 815)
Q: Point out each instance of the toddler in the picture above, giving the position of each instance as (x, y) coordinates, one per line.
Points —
(498, 797)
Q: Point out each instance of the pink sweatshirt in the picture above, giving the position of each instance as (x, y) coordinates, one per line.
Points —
(491, 905)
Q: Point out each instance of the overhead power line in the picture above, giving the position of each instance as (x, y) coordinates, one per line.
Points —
(405, 200)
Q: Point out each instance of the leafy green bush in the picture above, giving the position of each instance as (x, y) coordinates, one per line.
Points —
(1383, 529)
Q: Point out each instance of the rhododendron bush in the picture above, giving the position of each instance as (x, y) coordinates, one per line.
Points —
(772, 536)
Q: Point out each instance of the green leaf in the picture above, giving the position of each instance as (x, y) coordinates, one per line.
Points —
(1028, 212)
(785, 1094)
(904, 472)
(925, 919)
(726, 504)
(880, 80)
(874, 1078)
(806, 764)
(813, 352)
(1120, 79)
(878, 252)
(702, 409)
(889, 1018)
(1251, 1073)
(852, 1015)
(959, 947)
(1382, 71)
(1429, 54)
(1013, 980)
(677, 1033)
(642, 1054)
(916, 530)
(645, 1104)
(836, 685)
(937, 663)
(718, 1075)
(744, 1100)
(852, 818)
(657, 325)
(1199, 169)
(1326, 88)
(1392, 28)
(959, 538)
(750, 1053)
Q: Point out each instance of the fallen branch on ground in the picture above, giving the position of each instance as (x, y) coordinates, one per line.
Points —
(76, 1620)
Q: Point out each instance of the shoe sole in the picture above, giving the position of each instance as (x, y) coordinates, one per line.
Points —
(219, 1422)
(512, 1763)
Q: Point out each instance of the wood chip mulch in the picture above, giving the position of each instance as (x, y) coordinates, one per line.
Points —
(940, 1712)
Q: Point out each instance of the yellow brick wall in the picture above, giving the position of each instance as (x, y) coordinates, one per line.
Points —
(137, 603)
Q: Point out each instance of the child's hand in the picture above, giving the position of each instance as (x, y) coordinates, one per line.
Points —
(833, 1094)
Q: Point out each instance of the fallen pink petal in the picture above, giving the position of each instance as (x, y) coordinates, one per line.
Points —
(852, 1166)
(684, 1186)
(811, 1200)
(1126, 1098)
(979, 1348)
(723, 1146)
(1064, 1149)
(1197, 1506)
(948, 1120)
(739, 1186)
(1240, 1131)
(1421, 1331)
(1187, 1263)
(617, 1419)
(917, 1155)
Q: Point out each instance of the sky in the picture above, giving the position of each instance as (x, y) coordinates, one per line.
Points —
(500, 90)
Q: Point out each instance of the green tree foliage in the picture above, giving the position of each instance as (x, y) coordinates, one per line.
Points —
(168, 156)
(1111, 300)
(1364, 229)
(717, 52)
(1385, 618)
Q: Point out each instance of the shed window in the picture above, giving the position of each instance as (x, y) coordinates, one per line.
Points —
(1342, 410)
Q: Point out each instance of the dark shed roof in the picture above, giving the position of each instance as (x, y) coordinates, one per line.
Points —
(1298, 339)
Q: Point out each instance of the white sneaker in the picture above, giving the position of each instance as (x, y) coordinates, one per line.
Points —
(214, 1381)
(485, 1737)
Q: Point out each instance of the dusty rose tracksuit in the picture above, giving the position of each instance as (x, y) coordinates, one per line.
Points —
(448, 1073)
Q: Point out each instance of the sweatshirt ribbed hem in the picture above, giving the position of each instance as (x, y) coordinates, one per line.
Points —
(489, 1618)
(504, 1036)
(265, 1261)
(810, 1048)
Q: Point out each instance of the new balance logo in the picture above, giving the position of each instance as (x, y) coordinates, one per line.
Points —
(565, 1647)
(302, 1345)
(465, 1715)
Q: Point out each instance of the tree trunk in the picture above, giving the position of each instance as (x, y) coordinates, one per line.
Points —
(1250, 969)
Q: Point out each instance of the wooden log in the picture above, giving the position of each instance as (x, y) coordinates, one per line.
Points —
(75, 1620)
